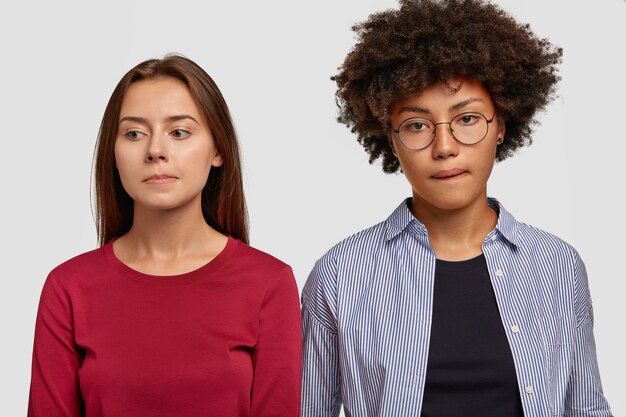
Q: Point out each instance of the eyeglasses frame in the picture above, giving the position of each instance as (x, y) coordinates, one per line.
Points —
(397, 131)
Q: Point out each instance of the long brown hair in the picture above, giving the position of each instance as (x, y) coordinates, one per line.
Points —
(223, 202)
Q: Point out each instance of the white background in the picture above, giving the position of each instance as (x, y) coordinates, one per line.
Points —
(307, 181)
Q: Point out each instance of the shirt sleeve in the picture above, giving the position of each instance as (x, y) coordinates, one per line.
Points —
(277, 356)
(54, 388)
(321, 378)
(584, 396)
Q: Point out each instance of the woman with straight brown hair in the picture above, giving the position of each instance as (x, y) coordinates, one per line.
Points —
(174, 315)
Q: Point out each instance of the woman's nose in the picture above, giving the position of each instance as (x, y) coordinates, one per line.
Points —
(444, 145)
(156, 150)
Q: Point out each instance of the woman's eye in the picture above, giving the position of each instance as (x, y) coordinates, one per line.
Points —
(133, 135)
(415, 126)
(468, 119)
(180, 134)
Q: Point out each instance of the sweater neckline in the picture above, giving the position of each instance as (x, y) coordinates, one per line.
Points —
(186, 278)
(462, 266)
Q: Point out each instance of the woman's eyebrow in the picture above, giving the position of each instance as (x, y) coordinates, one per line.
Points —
(182, 117)
(413, 109)
(144, 121)
(464, 103)
(424, 110)
(134, 119)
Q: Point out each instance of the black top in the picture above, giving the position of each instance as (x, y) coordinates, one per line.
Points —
(470, 371)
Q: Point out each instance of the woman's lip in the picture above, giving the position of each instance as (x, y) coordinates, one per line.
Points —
(449, 173)
(160, 179)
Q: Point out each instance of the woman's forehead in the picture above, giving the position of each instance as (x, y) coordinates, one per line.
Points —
(451, 94)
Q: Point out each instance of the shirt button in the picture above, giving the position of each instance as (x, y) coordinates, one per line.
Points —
(515, 329)
(499, 273)
(493, 238)
(530, 389)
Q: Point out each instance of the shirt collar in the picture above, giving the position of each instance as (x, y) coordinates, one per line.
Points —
(507, 225)
(402, 219)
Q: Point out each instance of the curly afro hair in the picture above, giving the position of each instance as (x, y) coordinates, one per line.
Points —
(400, 52)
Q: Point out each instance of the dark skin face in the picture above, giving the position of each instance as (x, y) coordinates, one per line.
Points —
(448, 178)
(407, 49)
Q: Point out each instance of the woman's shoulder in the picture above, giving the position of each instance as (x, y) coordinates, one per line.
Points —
(258, 271)
(529, 238)
(79, 266)
(251, 257)
(537, 240)
(536, 235)
(356, 244)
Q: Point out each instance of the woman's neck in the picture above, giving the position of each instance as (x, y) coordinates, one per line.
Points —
(456, 234)
(165, 242)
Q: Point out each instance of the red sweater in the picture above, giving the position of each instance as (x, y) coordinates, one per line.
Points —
(223, 340)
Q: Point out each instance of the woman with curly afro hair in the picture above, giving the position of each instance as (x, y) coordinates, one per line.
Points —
(450, 307)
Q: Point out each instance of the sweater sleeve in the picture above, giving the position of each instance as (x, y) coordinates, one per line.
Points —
(54, 388)
(277, 356)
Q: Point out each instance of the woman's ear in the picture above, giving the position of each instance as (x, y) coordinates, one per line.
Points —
(217, 160)
(393, 149)
(501, 130)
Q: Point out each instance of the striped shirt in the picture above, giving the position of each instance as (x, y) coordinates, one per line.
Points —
(367, 310)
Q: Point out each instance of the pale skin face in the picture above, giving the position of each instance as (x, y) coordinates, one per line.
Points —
(449, 178)
(164, 150)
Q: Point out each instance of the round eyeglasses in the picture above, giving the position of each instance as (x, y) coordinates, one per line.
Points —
(468, 128)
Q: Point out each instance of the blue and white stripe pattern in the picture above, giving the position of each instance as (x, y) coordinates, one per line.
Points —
(367, 309)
